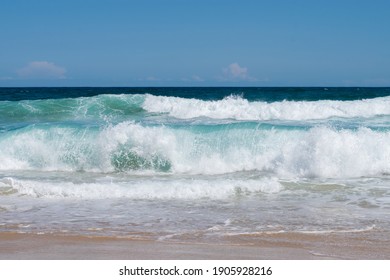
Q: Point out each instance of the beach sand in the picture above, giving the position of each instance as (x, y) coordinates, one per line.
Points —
(15, 246)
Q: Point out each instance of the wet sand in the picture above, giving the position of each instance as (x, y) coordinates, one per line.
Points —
(14, 246)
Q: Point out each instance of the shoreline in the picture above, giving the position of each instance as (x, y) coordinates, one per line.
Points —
(16, 246)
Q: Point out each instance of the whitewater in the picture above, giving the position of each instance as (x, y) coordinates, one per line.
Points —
(199, 164)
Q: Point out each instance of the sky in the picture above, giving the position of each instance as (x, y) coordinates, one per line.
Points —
(194, 43)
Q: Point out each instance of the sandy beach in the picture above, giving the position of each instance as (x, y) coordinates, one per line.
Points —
(15, 246)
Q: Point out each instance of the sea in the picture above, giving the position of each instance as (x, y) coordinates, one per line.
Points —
(208, 165)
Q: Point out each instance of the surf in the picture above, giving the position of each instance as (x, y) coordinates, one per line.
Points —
(238, 108)
(131, 147)
(111, 108)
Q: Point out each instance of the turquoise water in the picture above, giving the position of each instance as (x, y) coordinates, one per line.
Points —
(197, 163)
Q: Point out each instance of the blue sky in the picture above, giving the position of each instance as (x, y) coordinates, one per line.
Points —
(194, 43)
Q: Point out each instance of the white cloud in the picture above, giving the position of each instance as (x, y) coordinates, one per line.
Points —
(235, 72)
(42, 70)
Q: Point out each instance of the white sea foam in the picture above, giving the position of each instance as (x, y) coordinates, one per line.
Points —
(241, 109)
(145, 188)
(130, 147)
(309, 232)
(318, 152)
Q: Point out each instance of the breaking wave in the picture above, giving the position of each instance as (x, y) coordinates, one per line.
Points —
(215, 149)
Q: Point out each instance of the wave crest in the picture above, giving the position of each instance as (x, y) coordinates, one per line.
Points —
(131, 147)
(238, 108)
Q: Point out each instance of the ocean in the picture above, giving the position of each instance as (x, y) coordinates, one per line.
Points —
(207, 165)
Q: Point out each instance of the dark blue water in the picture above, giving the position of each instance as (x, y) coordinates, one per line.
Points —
(268, 94)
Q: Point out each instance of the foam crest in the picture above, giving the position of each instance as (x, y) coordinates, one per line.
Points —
(133, 148)
(325, 152)
(48, 149)
(130, 146)
(238, 108)
(146, 189)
